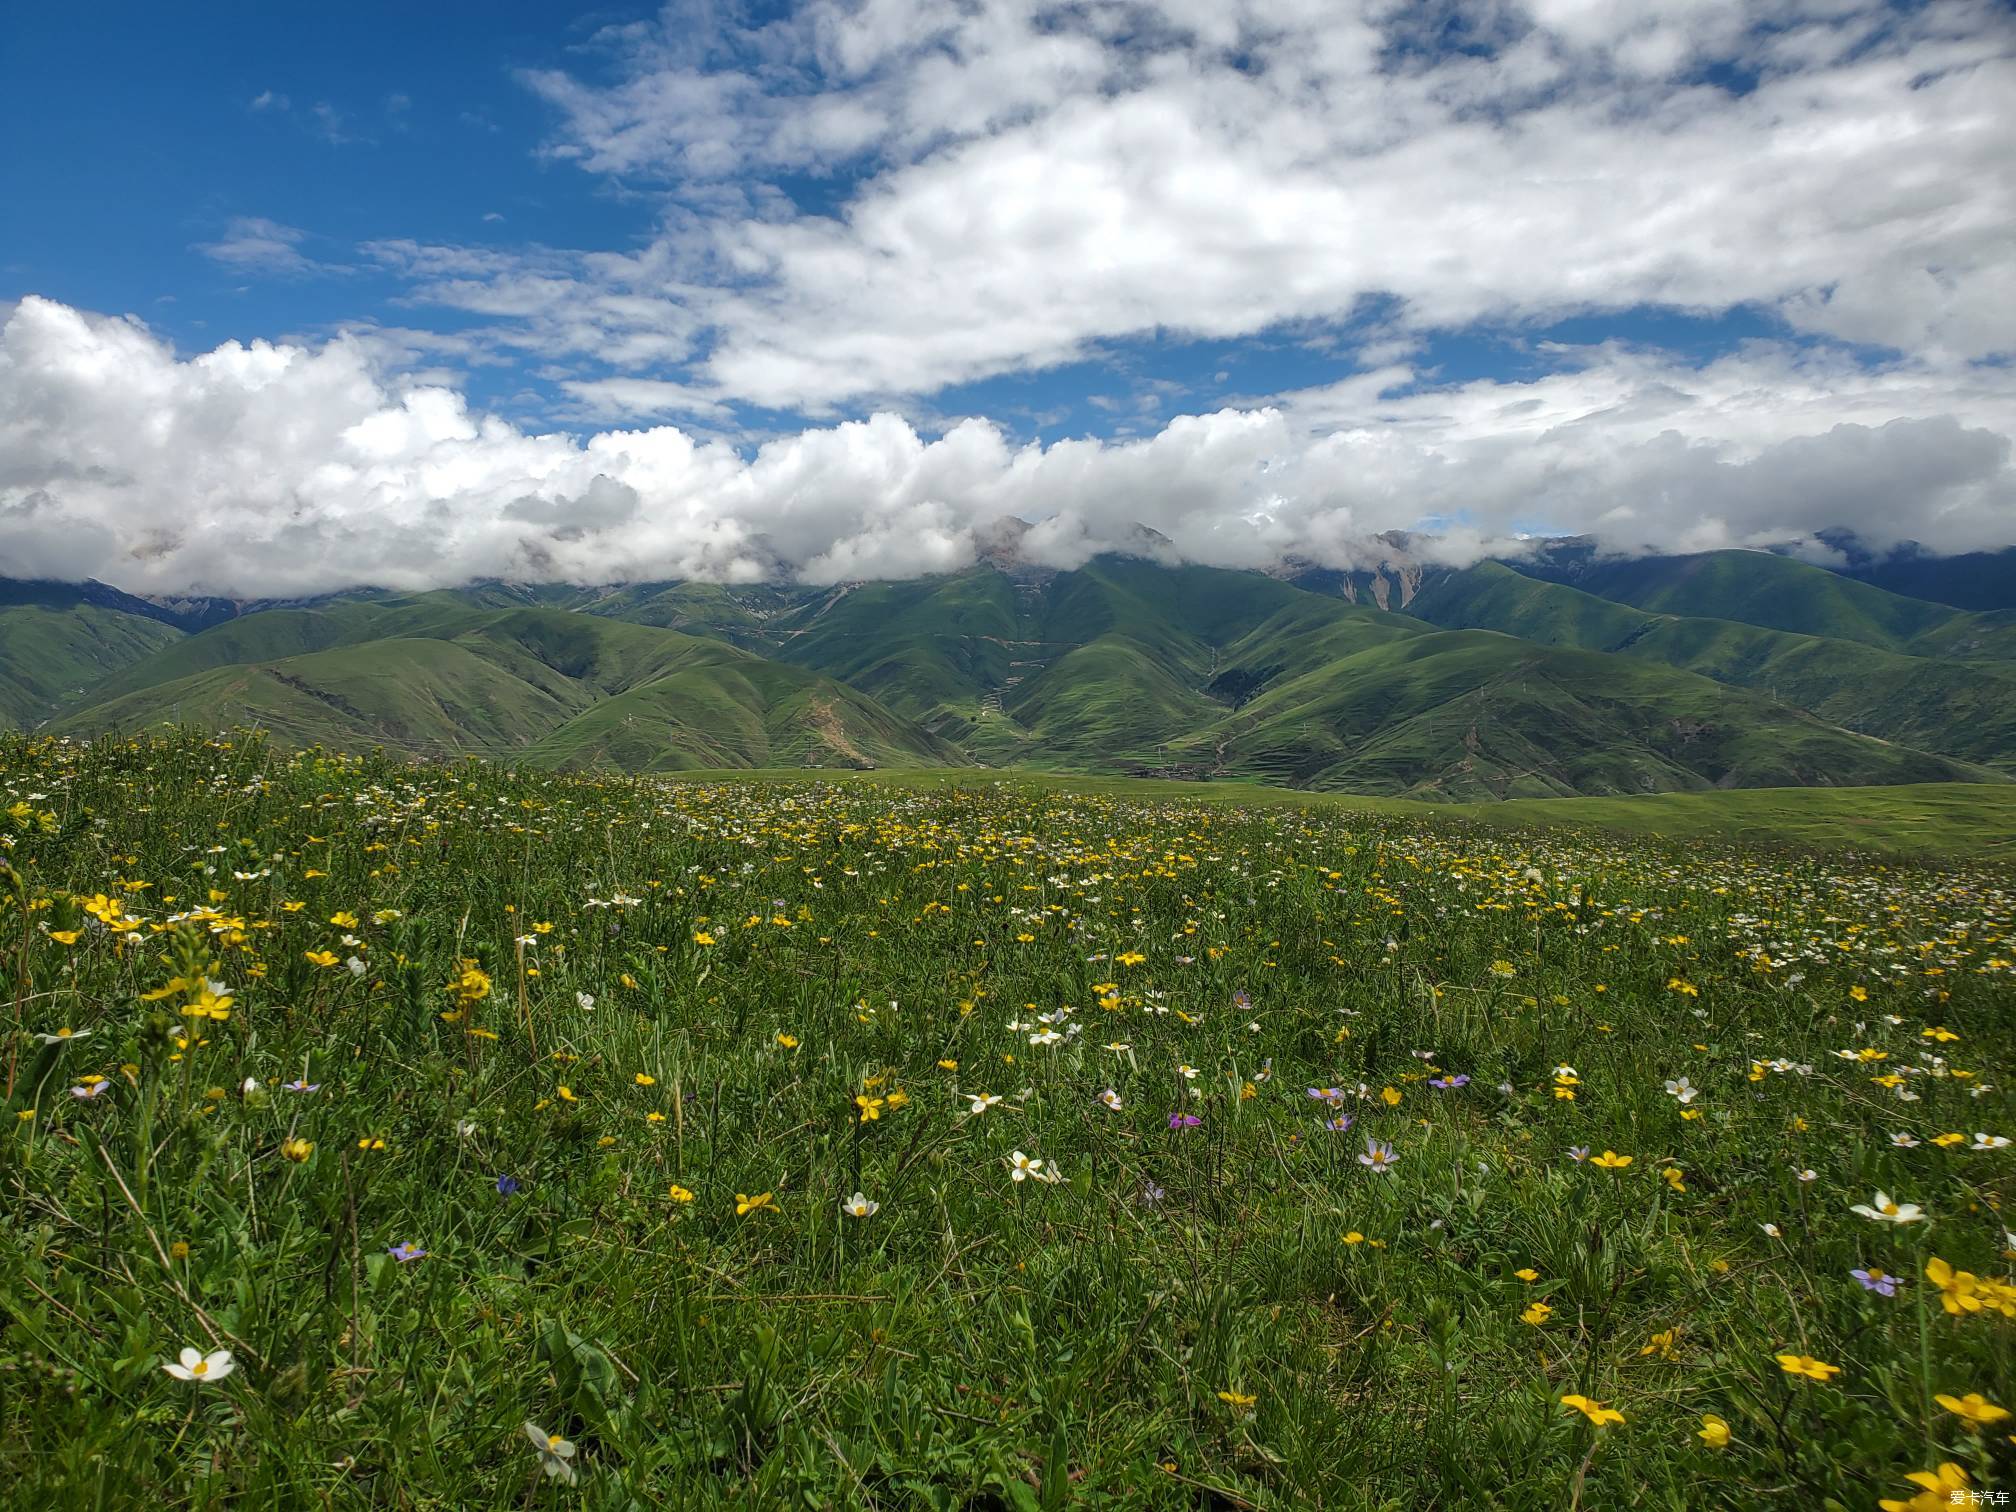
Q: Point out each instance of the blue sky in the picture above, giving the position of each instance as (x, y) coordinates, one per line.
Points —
(1546, 264)
(377, 121)
(381, 120)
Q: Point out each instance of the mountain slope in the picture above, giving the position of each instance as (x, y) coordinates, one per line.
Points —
(60, 641)
(744, 713)
(544, 684)
(1499, 683)
(1967, 580)
(1472, 714)
(932, 649)
(1935, 704)
(1752, 588)
(1063, 668)
(271, 634)
(1127, 666)
(417, 696)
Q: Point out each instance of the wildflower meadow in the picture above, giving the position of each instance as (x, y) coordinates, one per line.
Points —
(451, 1136)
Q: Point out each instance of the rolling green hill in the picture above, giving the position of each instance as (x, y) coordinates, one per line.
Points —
(435, 676)
(1971, 580)
(416, 696)
(1131, 667)
(1128, 666)
(272, 634)
(1499, 683)
(1932, 702)
(1471, 714)
(1085, 669)
(1753, 588)
(60, 642)
(741, 713)
(1777, 593)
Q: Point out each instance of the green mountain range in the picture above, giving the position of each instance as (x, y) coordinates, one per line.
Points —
(1552, 675)
(444, 674)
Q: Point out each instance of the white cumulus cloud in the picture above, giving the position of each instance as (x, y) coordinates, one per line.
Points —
(264, 469)
(1027, 181)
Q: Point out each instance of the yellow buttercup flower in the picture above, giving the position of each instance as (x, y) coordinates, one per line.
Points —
(760, 1203)
(1663, 1345)
(1596, 1412)
(1713, 1431)
(1942, 1489)
(1806, 1366)
(1975, 1410)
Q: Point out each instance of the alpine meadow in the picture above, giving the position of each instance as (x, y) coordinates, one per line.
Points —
(1009, 755)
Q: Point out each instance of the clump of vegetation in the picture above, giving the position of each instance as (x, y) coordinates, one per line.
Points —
(460, 1136)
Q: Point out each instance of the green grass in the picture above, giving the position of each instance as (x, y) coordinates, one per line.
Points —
(683, 995)
(1925, 822)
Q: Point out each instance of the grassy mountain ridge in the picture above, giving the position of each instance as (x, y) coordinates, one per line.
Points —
(1778, 593)
(1500, 681)
(451, 678)
(1931, 702)
(745, 713)
(1472, 714)
(54, 654)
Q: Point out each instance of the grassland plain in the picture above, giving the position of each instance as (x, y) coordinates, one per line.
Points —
(456, 1136)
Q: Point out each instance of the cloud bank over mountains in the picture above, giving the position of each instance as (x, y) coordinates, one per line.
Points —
(858, 207)
(274, 469)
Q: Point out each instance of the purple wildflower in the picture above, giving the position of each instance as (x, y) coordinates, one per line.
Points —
(1447, 1082)
(298, 1085)
(507, 1186)
(1184, 1120)
(1578, 1153)
(1877, 1281)
(405, 1253)
(1331, 1095)
(1241, 1000)
(1151, 1193)
(1338, 1124)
